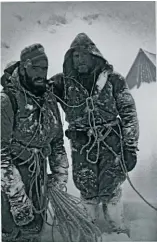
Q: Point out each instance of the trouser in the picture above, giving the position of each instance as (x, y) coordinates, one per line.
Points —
(112, 211)
(114, 215)
(99, 182)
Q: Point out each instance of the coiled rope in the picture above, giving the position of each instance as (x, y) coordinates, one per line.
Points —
(72, 222)
(69, 217)
(98, 137)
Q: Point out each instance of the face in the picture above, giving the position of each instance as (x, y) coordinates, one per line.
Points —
(82, 61)
(36, 75)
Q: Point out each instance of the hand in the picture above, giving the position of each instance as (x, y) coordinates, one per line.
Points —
(130, 158)
(54, 181)
(21, 209)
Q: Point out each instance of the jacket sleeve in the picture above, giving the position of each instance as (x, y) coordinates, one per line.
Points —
(57, 84)
(127, 112)
(7, 118)
(8, 72)
(11, 182)
(58, 160)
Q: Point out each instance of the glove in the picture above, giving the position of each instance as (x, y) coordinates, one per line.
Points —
(20, 204)
(130, 158)
(21, 208)
(59, 181)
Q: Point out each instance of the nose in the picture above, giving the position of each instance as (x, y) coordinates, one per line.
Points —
(42, 72)
(81, 58)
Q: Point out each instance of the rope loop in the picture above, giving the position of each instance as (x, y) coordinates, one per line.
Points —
(90, 104)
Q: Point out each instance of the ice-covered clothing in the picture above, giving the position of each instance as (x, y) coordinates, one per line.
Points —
(31, 135)
(99, 109)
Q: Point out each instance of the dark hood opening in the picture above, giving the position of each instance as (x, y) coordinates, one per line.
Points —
(83, 41)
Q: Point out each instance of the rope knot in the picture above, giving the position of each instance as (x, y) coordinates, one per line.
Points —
(90, 104)
(100, 137)
(90, 132)
(36, 151)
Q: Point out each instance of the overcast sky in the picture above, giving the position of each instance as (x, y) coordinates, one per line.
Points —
(118, 28)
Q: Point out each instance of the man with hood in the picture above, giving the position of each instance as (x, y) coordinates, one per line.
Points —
(103, 127)
(31, 134)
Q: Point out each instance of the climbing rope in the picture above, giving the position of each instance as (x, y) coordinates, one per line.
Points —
(98, 137)
(34, 167)
(74, 224)
(73, 221)
(35, 170)
(33, 137)
(123, 166)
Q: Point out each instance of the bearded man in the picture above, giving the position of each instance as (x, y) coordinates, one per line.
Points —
(103, 127)
(31, 134)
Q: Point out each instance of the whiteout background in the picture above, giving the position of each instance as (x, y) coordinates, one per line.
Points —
(119, 29)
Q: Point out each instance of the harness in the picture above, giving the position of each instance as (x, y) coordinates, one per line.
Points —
(93, 130)
(99, 138)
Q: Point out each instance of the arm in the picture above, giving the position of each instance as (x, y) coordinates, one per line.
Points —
(58, 159)
(128, 114)
(11, 182)
(57, 85)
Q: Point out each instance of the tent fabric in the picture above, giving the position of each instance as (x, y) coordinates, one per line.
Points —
(143, 69)
(151, 56)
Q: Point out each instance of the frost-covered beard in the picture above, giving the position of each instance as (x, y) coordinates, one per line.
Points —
(83, 69)
(36, 85)
(83, 61)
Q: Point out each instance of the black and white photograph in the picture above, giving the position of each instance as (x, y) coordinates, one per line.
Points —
(78, 121)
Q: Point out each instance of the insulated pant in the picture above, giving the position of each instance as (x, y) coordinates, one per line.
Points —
(100, 180)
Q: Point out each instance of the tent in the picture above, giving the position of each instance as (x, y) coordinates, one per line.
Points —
(143, 69)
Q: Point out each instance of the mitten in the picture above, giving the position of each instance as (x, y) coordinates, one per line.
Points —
(130, 158)
(13, 186)
(21, 208)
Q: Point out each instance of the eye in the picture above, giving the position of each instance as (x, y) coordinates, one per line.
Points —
(34, 67)
(76, 54)
(45, 68)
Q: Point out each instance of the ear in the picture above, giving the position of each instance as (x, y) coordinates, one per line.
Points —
(25, 65)
(21, 69)
(28, 63)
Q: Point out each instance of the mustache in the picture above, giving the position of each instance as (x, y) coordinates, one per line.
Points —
(39, 79)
